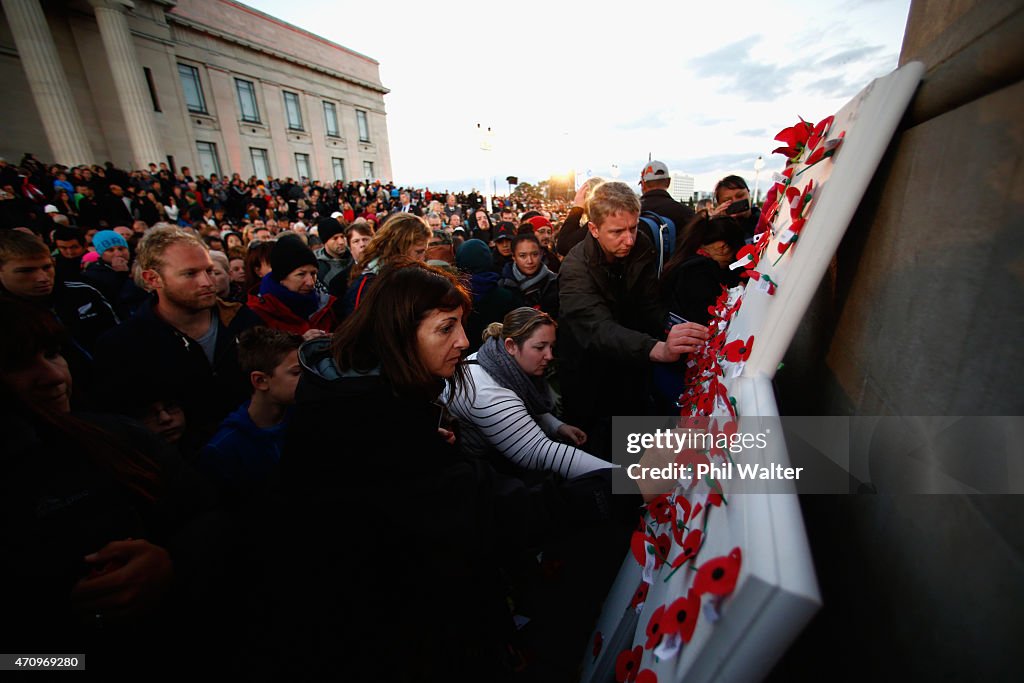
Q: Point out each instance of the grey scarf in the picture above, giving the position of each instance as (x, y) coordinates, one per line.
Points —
(525, 283)
(493, 358)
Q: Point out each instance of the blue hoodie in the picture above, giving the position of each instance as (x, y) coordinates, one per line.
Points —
(240, 454)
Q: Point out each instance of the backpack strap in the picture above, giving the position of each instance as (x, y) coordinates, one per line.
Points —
(663, 233)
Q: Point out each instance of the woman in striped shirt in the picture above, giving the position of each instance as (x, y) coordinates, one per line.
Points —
(509, 408)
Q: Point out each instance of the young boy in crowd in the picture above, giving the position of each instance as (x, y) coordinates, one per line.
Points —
(243, 455)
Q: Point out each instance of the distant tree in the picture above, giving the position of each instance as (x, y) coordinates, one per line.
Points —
(527, 193)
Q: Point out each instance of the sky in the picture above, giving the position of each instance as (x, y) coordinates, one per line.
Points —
(596, 88)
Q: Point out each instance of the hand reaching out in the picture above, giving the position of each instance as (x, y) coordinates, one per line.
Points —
(129, 579)
(573, 435)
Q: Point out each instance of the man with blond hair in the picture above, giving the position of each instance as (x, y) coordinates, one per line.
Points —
(612, 325)
(182, 341)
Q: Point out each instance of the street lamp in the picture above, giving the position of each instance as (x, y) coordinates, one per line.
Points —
(758, 165)
(486, 145)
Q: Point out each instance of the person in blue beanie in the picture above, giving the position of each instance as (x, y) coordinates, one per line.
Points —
(491, 303)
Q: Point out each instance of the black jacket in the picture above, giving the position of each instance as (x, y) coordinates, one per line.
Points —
(542, 295)
(106, 280)
(610, 318)
(145, 359)
(114, 212)
(694, 285)
(400, 536)
(84, 311)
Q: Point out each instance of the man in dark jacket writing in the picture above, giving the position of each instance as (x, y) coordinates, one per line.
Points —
(611, 323)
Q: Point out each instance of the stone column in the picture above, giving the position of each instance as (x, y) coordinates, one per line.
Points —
(132, 92)
(48, 82)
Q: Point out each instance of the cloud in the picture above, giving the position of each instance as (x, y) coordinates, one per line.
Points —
(856, 54)
(734, 70)
(755, 133)
(711, 163)
(832, 87)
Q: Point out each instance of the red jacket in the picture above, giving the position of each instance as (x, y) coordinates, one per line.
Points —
(277, 315)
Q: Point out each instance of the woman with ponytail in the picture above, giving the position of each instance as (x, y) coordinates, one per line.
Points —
(510, 408)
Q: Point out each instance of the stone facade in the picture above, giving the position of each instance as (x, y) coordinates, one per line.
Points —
(920, 315)
(88, 81)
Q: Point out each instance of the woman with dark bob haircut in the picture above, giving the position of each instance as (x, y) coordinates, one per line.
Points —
(397, 539)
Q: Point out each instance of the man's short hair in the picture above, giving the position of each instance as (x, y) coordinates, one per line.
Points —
(261, 349)
(17, 244)
(156, 241)
(68, 234)
(608, 198)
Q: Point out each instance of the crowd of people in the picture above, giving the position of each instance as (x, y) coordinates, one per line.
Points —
(332, 427)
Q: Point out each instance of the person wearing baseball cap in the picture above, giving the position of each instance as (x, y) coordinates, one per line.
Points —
(502, 252)
(654, 182)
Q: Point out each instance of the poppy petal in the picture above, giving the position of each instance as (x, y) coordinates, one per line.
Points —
(718, 575)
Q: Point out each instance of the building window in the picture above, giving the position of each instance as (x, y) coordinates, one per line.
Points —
(208, 161)
(368, 169)
(339, 168)
(260, 162)
(302, 165)
(152, 88)
(331, 119)
(294, 113)
(364, 126)
(247, 101)
(193, 88)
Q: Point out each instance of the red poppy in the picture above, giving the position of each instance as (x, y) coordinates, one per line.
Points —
(691, 546)
(640, 595)
(799, 208)
(681, 616)
(738, 351)
(660, 508)
(816, 156)
(747, 255)
(647, 676)
(684, 505)
(662, 544)
(718, 575)
(598, 643)
(654, 628)
(627, 664)
(638, 546)
(819, 132)
(795, 138)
